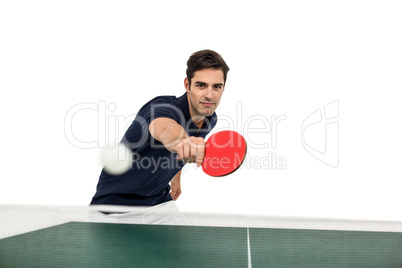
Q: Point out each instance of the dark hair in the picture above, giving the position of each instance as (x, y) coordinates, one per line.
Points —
(206, 59)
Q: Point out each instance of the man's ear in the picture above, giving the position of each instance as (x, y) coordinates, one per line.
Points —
(187, 84)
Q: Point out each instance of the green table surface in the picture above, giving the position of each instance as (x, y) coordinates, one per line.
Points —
(84, 244)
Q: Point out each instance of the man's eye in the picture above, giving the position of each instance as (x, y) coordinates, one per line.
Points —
(218, 86)
(201, 85)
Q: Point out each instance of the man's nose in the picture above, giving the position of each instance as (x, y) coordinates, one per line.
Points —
(208, 93)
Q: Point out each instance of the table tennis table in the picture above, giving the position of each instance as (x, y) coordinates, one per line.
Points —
(204, 240)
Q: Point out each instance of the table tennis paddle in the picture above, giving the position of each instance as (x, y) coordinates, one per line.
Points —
(224, 153)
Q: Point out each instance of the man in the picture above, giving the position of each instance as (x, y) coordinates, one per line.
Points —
(165, 129)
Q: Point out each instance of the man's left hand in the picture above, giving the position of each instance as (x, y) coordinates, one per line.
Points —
(175, 189)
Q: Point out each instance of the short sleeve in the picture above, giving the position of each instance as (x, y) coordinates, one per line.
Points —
(137, 134)
(166, 110)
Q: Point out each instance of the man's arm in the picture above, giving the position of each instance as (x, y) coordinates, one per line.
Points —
(167, 131)
(175, 186)
(175, 139)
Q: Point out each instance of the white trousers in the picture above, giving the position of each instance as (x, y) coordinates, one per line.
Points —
(167, 213)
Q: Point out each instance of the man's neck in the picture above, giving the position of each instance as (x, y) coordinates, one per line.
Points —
(199, 124)
(197, 119)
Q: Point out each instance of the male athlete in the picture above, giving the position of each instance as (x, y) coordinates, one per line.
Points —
(164, 128)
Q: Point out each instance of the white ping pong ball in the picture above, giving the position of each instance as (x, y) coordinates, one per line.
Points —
(116, 160)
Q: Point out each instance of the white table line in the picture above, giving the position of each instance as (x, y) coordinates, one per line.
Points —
(248, 249)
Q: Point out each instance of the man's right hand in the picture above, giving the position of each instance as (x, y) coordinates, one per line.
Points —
(191, 150)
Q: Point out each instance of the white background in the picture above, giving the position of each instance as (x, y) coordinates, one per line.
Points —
(287, 58)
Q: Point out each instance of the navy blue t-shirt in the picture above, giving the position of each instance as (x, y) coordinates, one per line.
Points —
(153, 166)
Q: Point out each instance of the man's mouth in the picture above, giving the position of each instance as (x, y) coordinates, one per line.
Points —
(208, 104)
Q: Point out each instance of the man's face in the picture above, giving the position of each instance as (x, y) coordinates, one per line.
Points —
(205, 91)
